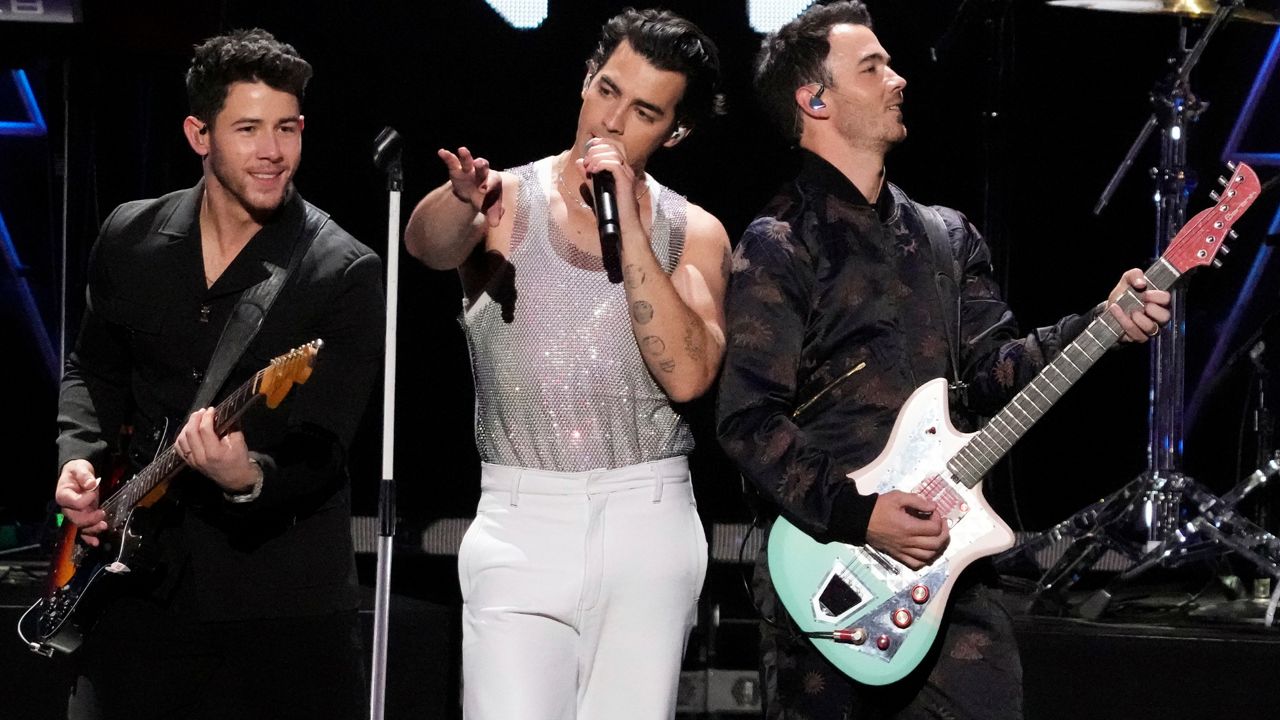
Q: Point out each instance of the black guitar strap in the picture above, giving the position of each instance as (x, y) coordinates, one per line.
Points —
(252, 308)
(946, 272)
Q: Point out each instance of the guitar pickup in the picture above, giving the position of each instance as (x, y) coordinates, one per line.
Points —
(940, 490)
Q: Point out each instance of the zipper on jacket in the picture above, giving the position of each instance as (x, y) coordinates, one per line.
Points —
(805, 405)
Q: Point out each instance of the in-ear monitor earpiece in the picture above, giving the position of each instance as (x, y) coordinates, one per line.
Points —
(815, 101)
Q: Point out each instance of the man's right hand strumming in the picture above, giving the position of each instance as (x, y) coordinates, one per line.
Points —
(908, 528)
(77, 495)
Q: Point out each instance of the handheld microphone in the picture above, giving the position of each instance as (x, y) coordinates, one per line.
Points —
(606, 196)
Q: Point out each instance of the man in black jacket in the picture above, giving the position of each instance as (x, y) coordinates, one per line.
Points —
(251, 608)
(835, 316)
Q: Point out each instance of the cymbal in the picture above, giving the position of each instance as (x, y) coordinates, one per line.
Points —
(1189, 8)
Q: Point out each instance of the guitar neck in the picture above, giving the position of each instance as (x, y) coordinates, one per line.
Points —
(997, 437)
(168, 463)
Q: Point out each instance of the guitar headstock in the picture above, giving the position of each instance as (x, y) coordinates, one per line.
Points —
(1201, 238)
(293, 367)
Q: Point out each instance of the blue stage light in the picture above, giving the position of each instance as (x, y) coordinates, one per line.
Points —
(33, 125)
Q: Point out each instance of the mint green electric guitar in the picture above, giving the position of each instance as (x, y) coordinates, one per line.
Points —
(875, 618)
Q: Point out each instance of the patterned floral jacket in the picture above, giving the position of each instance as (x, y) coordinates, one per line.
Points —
(834, 318)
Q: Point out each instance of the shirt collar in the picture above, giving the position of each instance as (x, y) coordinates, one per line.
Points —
(817, 171)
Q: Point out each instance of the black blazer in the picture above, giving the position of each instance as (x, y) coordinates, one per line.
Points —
(149, 330)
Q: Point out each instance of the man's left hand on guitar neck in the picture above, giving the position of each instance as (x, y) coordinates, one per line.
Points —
(224, 460)
(1144, 322)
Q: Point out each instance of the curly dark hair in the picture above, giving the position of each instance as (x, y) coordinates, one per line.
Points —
(796, 55)
(671, 43)
(242, 56)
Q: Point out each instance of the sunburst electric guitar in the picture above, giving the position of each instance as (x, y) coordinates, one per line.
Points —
(79, 574)
(873, 617)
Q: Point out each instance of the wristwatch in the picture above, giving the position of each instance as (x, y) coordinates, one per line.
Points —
(254, 491)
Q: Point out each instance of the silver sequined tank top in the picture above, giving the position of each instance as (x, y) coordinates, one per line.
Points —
(563, 387)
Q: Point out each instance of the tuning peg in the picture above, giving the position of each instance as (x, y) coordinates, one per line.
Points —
(1233, 235)
(1231, 166)
(1214, 195)
(1216, 263)
(1224, 250)
(1222, 181)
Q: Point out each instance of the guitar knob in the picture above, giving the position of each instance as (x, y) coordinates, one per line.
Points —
(920, 594)
(902, 618)
(883, 642)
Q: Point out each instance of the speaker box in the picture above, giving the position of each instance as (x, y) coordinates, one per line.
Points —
(1076, 669)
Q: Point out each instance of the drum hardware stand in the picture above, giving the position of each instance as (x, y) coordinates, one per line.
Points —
(1154, 517)
(1216, 527)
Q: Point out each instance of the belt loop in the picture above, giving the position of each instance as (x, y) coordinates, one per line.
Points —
(515, 488)
(657, 483)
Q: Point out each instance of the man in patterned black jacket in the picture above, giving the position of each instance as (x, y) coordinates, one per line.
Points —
(834, 318)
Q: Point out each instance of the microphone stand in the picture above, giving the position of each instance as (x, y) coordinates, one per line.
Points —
(386, 155)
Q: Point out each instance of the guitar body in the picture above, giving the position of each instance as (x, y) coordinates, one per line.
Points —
(81, 577)
(840, 587)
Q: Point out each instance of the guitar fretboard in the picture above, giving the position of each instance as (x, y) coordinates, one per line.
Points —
(988, 445)
(168, 463)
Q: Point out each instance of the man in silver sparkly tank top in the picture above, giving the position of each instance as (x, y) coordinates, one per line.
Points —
(581, 572)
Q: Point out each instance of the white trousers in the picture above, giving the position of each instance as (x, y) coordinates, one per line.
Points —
(579, 591)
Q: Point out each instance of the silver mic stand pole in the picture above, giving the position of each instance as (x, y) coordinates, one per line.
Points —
(386, 155)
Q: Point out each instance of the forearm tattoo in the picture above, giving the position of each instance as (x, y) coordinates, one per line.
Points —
(633, 276)
(653, 345)
(642, 312)
(693, 341)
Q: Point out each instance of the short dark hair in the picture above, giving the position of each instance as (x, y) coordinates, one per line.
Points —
(796, 55)
(671, 43)
(242, 56)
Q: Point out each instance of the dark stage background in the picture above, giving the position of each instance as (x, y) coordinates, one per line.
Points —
(1019, 122)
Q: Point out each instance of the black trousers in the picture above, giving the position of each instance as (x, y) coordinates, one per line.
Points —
(972, 673)
(143, 661)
